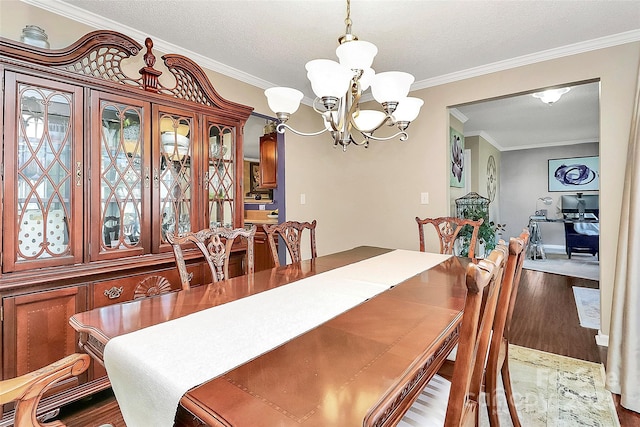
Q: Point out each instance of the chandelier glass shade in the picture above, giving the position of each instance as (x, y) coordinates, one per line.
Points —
(338, 86)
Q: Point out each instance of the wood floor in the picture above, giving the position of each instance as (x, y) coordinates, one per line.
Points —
(545, 318)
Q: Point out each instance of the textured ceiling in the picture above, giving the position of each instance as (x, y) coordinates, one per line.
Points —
(267, 43)
(522, 122)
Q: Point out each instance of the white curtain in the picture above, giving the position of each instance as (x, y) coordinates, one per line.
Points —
(623, 359)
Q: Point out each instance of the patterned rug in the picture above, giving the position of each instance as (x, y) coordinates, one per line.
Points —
(588, 305)
(585, 266)
(555, 391)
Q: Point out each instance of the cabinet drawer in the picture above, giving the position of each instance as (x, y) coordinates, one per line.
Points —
(126, 288)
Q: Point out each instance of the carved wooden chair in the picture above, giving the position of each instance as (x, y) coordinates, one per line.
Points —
(448, 229)
(291, 233)
(215, 245)
(499, 348)
(455, 403)
(27, 390)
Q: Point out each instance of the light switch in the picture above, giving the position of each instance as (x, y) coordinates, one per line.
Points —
(261, 207)
(424, 198)
(303, 198)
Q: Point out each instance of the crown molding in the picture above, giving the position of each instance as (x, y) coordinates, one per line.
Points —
(551, 144)
(458, 115)
(482, 134)
(98, 22)
(546, 55)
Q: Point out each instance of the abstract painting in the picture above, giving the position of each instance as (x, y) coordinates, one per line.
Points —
(456, 158)
(574, 174)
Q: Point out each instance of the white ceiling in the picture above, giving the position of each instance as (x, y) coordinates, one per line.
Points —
(267, 43)
(522, 121)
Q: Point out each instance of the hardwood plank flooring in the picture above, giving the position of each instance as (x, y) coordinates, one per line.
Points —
(545, 318)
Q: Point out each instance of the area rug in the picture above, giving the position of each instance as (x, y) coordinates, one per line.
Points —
(555, 391)
(588, 304)
(585, 266)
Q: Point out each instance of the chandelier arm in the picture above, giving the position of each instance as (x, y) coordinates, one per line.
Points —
(282, 126)
(402, 134)
(316, 101)
(327, 115)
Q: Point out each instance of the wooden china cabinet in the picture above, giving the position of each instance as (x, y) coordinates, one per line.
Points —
(98, 164)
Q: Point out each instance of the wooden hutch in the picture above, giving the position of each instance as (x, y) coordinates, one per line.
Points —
(96, 167)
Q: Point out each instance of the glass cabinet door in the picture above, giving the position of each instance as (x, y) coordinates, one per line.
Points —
(175, 172)
(122, 195)
(43, 174)
(220, 175)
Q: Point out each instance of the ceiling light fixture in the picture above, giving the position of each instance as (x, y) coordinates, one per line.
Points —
(338, 87)
(552, 95)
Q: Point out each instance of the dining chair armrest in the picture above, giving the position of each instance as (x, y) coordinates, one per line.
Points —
(27, 390)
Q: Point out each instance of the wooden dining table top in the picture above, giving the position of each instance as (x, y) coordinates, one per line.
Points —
(363, 367)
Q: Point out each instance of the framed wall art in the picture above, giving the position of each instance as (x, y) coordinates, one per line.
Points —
(255, 190)
(574, 174)
(456, 158)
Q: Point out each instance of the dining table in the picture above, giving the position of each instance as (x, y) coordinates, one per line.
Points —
(345, 339)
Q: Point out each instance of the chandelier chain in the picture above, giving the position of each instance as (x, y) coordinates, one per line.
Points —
(347, 20)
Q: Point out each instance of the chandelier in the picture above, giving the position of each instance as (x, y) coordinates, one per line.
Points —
(338, 87)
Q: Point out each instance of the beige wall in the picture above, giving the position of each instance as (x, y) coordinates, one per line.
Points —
(371, 196)
(481, 149)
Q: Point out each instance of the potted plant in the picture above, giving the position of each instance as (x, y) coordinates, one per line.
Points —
(486, 233)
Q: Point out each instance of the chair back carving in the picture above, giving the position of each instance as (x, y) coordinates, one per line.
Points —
(291, 233)
(448, 229)
(215, 246)
(28, 389)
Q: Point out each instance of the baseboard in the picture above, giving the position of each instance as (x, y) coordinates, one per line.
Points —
(555, 248)
(602, 340)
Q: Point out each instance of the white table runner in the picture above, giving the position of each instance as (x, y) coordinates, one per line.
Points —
(151, 369)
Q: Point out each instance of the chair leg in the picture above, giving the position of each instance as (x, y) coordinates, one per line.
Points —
(491, 394)
(508, 391)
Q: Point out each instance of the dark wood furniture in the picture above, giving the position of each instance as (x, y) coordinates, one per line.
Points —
(28, 389)
(459, 401)
(448, 229)
(269, 160)
(99, 162)
(262, 250)
(498, 360)
(291, 233)
(215, 245)
(352, 370)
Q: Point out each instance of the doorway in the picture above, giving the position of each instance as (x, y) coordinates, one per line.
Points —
(528, 133)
